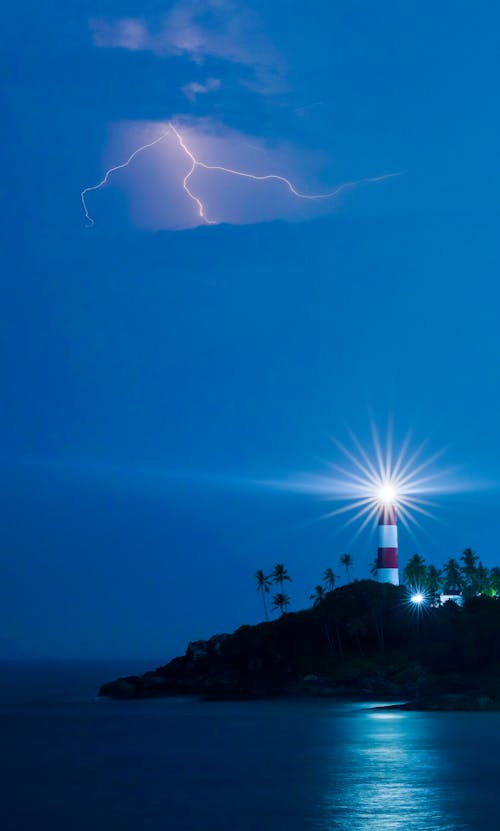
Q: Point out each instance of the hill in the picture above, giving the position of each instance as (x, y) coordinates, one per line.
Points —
(365, 639)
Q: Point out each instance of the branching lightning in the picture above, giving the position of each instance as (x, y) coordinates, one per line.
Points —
(256, 178)
(196, 163)
(111, 170)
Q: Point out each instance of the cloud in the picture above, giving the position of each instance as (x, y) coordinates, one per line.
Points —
(186, 173)
(222, 30)
(127, 33)
(194, 89)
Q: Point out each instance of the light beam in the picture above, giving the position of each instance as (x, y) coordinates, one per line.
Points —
(196, 163)
(379, 480)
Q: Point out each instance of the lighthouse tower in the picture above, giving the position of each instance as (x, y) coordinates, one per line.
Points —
(387, 555)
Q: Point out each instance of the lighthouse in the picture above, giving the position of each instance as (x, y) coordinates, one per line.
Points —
(387, 554)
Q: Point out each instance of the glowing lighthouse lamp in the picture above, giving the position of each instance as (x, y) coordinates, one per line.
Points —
(387, 554)
(384, 486)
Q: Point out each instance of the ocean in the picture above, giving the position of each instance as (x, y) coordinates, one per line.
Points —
(72, 762)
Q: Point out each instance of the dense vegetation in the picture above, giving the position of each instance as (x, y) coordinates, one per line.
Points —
(466, 577)
(367, 637)
(361, 638)
(365, 619)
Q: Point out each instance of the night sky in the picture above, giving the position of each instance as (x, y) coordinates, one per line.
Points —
(154, 368)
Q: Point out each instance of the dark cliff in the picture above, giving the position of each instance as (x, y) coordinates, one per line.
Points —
(364, 639)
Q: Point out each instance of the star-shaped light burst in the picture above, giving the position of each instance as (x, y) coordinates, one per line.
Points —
(385, 480)
(381, 479)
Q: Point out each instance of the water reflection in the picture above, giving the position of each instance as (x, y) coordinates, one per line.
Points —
(392, 777)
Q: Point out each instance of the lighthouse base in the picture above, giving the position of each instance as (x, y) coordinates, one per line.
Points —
(388, 575)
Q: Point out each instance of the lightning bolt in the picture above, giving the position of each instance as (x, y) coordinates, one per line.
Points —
(195, 163)
(111, 170)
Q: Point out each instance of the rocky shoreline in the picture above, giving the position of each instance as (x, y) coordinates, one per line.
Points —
(361, 645)
(212, 670)
(204, 673)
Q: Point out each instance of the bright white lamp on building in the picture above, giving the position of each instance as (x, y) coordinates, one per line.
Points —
(387, 493)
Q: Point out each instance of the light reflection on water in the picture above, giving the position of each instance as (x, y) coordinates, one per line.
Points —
(183, 765)
(391, 778)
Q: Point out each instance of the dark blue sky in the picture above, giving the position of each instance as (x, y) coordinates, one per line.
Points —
(146, 376)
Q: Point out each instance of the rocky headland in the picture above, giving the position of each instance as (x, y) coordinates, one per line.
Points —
(363, 641)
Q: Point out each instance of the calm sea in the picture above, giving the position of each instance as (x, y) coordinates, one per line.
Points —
(70, 762)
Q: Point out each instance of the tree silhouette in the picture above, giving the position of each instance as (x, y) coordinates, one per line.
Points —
(374, 567)
(415, 572)
(263, 584)
(452, 577)
(281, 601)
(280, 575)
(318, 596)
(346, 561)
(434, 582)
(482, 579)
(494, 581)
(469, 572)
(329, 579)
(469, 559)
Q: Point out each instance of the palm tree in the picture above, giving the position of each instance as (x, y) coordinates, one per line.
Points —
(482, 579)
(434, 582)
(374, 568)
(281, 601)
(263, 584)
(469, 559)
(280, 575)
(494, 581)
(452, 577)
(416, 571)
(346, 561)
(329, 579)
(318, 596)
(469, 571)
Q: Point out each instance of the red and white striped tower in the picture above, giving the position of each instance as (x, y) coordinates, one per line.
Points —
(387, 555)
